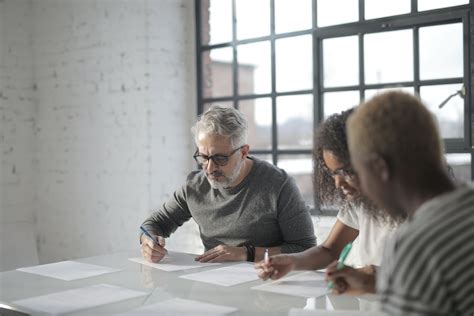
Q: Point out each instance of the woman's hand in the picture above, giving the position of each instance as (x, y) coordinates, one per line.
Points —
(276, 267)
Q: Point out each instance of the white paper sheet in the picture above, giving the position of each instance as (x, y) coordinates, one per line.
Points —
(178, 306)
(175, 261)
(78, 299)
(68, 270)
(322, 312)
(227, 276)
(306, 284)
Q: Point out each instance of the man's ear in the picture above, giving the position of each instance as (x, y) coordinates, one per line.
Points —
(381, 167)
(245, 150)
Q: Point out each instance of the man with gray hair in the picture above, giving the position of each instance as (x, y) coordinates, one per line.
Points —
(242, 205)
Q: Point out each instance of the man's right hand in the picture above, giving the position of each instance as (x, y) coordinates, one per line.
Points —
(277, 267)
(153, 251)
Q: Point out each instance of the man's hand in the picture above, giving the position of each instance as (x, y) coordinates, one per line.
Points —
(153, 251)
(223, 253)
(277, 267)
(351, 281)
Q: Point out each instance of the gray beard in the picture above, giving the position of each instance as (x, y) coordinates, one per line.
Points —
(226, 183)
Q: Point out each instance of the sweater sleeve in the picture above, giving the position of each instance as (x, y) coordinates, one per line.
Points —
(294, 219)
(172, 214)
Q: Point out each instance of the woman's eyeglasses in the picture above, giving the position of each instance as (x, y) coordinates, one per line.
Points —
(346, 172)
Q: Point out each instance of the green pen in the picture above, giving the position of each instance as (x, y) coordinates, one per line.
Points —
(340, 264)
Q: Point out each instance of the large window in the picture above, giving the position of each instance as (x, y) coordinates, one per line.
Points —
(289, 64)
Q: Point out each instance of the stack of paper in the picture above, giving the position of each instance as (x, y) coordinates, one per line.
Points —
(68, 270)
(175, 262)
(227, 276)
(306, 284)
(78, 299)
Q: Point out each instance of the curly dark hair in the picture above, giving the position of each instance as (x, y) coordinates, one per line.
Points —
(331, 136)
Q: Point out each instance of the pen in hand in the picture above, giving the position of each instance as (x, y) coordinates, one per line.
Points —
(150, 236)
(265, 256)
(340, 264)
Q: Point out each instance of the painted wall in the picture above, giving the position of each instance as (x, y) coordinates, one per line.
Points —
(17, 140)
(102, 125)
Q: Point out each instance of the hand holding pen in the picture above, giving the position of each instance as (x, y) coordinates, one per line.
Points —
(340, 263)
(347, 280)
(152, 247)
(274, 267)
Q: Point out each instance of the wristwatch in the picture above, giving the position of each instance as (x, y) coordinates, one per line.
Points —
(250, 253)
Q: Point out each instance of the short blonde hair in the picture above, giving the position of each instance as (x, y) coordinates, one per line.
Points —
(397, 126)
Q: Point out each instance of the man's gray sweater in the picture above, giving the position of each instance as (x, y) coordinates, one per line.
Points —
(265, 210)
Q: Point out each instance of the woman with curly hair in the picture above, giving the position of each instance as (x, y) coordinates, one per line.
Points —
(336, 185)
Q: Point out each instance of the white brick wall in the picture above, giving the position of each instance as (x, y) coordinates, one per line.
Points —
(17, 135)
(106, 135)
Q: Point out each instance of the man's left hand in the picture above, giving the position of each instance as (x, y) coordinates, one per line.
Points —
(351, 281)
(223, 253)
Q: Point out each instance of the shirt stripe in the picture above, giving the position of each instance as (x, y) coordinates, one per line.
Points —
(428, 266)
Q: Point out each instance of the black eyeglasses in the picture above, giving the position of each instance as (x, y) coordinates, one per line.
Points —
(220, 160)
(346, 172)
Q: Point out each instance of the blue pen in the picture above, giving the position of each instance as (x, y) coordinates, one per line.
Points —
(148, 235)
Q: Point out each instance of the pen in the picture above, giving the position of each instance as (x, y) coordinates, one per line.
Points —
(148, 235)
(340, 264)
(265, 256)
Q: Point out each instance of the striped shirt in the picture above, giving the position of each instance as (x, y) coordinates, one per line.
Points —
(428, 265)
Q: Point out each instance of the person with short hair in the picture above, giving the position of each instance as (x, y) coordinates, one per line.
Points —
(428, 265)
(337, 185)
(241, 204)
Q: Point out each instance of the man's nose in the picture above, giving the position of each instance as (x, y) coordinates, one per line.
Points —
(211, 166)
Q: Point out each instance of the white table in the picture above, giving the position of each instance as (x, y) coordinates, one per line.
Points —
(161, 285)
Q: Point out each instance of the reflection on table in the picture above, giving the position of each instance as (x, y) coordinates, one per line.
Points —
(162, 285)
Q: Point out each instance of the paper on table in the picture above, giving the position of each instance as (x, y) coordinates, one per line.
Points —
(227, 276)
(178, 306)
(322, 312)
(78, 299)
(68, 270)
(175, 261)
(306, 284)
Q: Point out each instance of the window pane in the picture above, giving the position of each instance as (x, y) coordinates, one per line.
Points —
(369, 93)
(341, 53)
(388, 57)
(451, 115)
(293, 15)
(441, 58)
(216, 22)
(332, 12)
(208, 105)
(380, 8)
(259, 117)
(336, 102)
(254, 68)
(436, 4)
(461, 165)
(253, 18)
(295, 121)
(217, 72)
(266, 157)
(294, 64)
(300, 167)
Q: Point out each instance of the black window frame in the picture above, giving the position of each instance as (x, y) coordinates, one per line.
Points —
(413, 20)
